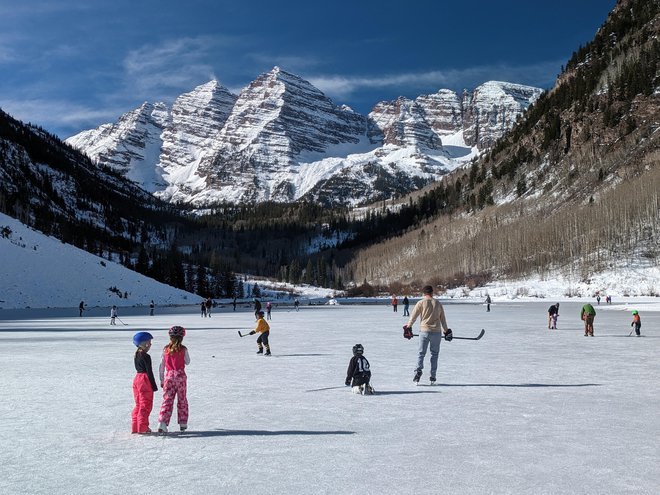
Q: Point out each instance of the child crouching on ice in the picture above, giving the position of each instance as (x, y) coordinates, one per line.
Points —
(358, 375)
(144, 383)
(174, 381)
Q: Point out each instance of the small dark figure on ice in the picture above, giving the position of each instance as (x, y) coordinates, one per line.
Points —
(358, 374)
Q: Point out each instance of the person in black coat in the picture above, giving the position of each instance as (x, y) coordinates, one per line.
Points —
(358, 374)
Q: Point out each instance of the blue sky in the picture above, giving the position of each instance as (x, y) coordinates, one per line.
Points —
(70, 65)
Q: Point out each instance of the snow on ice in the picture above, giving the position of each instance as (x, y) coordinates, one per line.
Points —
(524, 410)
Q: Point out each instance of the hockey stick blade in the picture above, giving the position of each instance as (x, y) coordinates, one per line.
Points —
(481, 334)
(243, 334)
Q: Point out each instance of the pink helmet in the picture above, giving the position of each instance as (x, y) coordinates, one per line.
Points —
(177, 331)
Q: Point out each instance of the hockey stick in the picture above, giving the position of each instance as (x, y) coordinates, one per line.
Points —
(243, 334)
(481, 334)
(121, 321)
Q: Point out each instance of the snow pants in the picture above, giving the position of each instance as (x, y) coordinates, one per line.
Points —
(434, 339)
(175, 385)
(144, 401)
(263, 339)
(638, 328)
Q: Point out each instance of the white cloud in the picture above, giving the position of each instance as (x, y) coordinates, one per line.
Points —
(174, 64)
(344, 86)
(57, 113)
(289, 63)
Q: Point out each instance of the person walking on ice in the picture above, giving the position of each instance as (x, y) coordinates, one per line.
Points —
(488, 301)
(152, 306)
(358, 374)
(144, 383)
(588, 314)
(263, 329)
(269, 308)
(81, 307)
(173, 380)
(636, 323)
(406, 305)
(113, 315)
(395, 302)
(433, 325)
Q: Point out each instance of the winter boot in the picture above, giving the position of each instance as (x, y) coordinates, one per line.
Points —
(267, 352)
(261, 350)
(418, 375)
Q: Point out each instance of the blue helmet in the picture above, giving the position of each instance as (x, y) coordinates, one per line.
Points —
(141, 337)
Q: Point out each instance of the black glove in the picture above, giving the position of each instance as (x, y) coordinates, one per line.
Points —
(449, 335)
(348, 382)
(253, 332)
(407, 332)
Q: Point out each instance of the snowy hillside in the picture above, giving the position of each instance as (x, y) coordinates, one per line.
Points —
(40, 271)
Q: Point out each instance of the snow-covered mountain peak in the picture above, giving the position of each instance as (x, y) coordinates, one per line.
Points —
(282, 138)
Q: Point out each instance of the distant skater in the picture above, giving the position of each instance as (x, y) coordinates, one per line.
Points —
(296, 304)
(233, 303)
(269, 308)
(152, 306)
(406, 305)
(588, 315)
(113, 315)
(257, 308)
(636, 323)
(209, 305)
(553, 314)
(81, 307)
(263, 329)
(598, 300)
(488, 301)
(395, 302)
(173, 380)
(358, 374)
(203, 308)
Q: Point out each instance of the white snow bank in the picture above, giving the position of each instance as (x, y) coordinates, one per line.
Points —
(38, 271)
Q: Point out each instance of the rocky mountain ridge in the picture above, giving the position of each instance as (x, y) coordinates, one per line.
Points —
(282, 139)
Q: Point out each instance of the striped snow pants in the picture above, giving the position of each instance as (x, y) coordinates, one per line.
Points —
(175, 385)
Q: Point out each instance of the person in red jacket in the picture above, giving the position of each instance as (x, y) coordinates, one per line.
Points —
(174, 381)
(395, 302)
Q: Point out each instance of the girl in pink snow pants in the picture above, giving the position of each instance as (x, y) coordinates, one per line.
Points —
(173, 380)
(144, 383)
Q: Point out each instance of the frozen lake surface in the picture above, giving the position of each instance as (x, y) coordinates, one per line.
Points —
(523, 410)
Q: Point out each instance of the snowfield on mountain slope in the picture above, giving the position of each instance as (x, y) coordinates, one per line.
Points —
(41, 271)
(525, 410)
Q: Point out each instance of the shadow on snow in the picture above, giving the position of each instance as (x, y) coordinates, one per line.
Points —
(267, 433)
